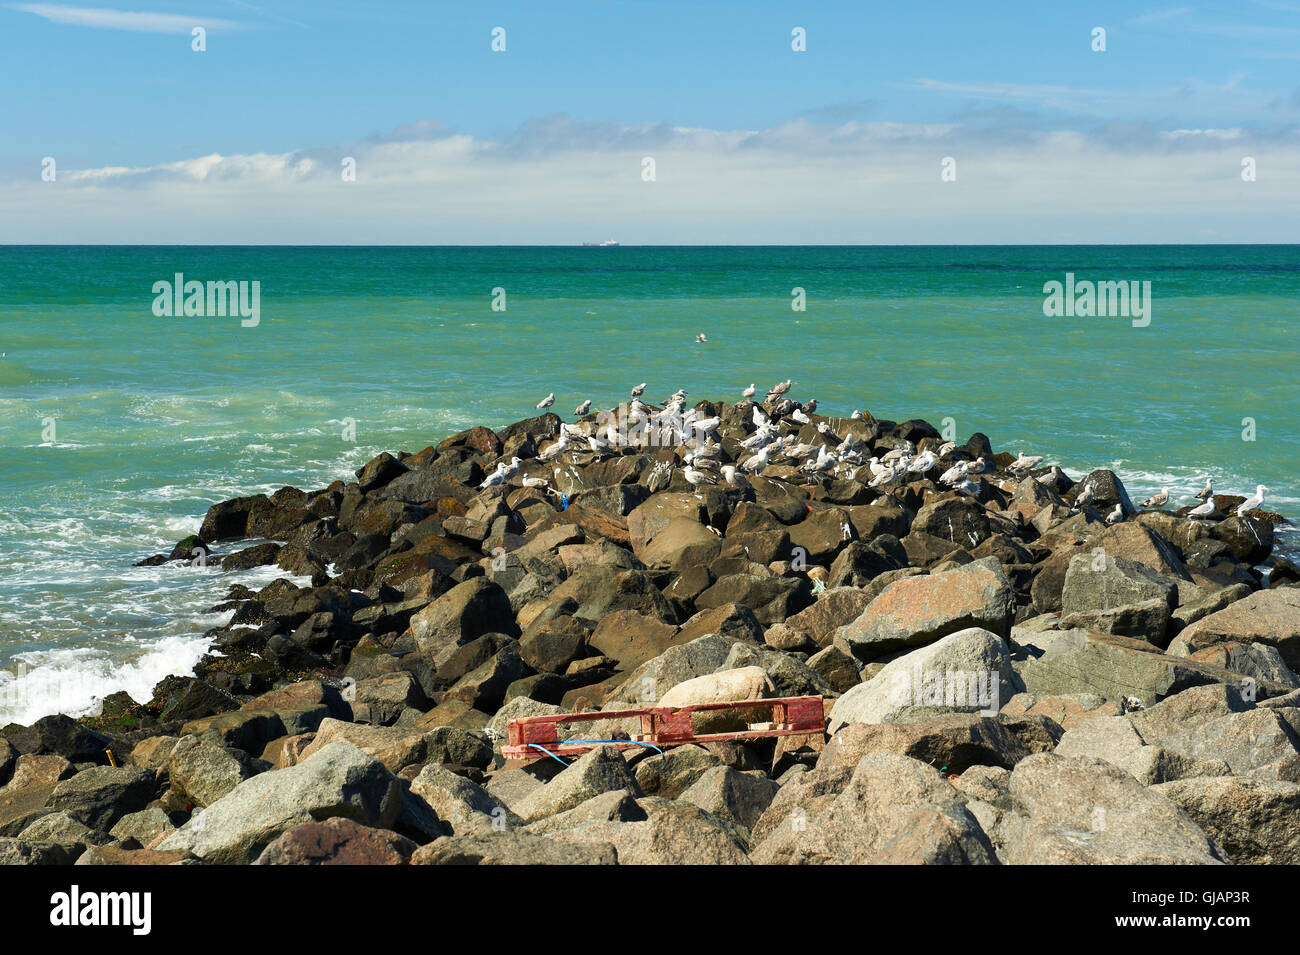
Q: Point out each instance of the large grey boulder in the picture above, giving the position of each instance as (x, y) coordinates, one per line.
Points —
(201, 771)
(461, 805)
(953, 742)
(1084, 811)
(512, 847)
(102, 795)
(731, 795)
(893, 811)
(601, 770)
(1087, 661)
(673, 833)
(1256, 821)
(964, 672)
(338, 780)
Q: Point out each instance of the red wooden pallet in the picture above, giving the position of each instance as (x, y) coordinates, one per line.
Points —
(664, 726)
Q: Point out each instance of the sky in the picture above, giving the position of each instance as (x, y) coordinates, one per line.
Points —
(546, 141)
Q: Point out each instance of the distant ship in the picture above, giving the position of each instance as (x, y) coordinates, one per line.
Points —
(601, 244)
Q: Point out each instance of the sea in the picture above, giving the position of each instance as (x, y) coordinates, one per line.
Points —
(122, 421)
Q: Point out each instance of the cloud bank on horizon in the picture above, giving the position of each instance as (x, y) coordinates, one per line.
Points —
(1084, 153)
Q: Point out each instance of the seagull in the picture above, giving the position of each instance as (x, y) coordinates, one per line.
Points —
(967, 487)
(1207, 492)
(732, 478)
(1051, 476)
(535, 482)
(758, 461)
(856, 416)
(1202, 510)
(583, 408)
(748, 392)
(978, 467)
(923, 463)
(661, 476)
(556, 449)
(779, 388)
(810, 407)
(697, 478)
(1026, 462)
(1115, 516)
(1084, 497)
(700, 338)
(496, 477)
(639, 390)
(1157, 500)
(512, 467)
(947, 449)
(955, 474)
(799, 416)
(1251, 503)
(546, 402)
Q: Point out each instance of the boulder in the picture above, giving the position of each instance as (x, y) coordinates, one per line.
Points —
(513, 848)
(733, 796)
(673, 833)
(202, 771)
(968, 671)
(893, 811)
(1255, 821)
(920, 610)
(338, 780)
(102, 795)
(603, 769)
(1080, 810)
(338, 841)
(467, 611)
(1271, 617)
(951, 743)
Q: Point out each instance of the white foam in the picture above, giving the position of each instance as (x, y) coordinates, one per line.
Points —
(76, 681)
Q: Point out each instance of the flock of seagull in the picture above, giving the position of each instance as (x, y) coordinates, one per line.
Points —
(775, 440)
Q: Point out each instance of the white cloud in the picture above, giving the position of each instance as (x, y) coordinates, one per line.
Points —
(557, 180)
(123, 20)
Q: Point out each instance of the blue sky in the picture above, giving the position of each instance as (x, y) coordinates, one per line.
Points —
(435, 119)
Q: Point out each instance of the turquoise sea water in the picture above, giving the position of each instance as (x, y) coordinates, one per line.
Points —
(155, 418)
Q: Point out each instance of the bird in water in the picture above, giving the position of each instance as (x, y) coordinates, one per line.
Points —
(1157, 500)
(700, 338)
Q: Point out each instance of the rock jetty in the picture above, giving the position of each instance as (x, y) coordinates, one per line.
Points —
(1016, 667)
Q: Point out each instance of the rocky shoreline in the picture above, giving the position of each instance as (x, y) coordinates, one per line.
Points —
(1016, 667)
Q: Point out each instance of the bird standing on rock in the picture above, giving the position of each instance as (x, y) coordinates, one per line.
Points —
(1115, 516)
(639, 390)
(780, 388)
(583, 408)
(1202, 510)
(748, 392)
(1251, 503)
(1207, 492)
(546, 402)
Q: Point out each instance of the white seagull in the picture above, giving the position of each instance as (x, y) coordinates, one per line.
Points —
(639, 390)
(1115, 516)
(546, 402)
(1251, 503)
(496, 477)
(1202, 510)
(748, 392)
(583, 408)
(1207, 492)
